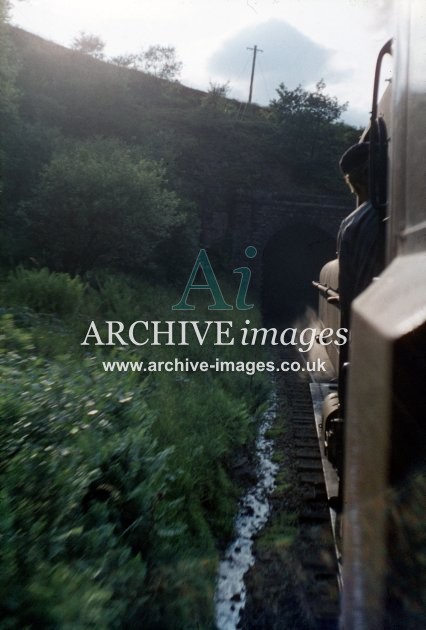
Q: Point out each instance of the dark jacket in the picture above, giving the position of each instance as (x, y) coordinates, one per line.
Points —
(361, 253)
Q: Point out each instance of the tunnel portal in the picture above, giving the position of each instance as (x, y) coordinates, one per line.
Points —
(292, 258)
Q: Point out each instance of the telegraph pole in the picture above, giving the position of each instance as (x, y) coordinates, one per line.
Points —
(255, 50)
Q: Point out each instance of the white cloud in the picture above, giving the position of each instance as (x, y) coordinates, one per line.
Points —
(288, 57)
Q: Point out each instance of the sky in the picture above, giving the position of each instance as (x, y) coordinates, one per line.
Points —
(302, 41)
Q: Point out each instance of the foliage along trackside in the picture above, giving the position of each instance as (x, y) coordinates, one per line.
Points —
(116, 490)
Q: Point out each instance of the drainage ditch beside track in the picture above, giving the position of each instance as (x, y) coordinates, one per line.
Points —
(293, 582)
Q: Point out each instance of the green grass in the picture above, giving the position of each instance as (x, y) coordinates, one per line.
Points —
(116, 488)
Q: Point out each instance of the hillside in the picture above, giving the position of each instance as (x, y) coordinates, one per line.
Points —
(201, 138)
(202, 141)
(85, 96)
(212, 148)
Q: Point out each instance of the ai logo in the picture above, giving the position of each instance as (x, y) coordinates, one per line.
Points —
(203, 264)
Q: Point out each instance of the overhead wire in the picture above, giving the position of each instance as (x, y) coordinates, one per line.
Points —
(265, 82)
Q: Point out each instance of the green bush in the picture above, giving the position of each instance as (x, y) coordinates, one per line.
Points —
(117, 489)
(43, 291)
(81, 480)
(100, 203)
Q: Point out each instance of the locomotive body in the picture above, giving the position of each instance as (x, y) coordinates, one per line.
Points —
(384, 443)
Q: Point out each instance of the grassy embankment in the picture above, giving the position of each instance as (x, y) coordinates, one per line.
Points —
(117, 488)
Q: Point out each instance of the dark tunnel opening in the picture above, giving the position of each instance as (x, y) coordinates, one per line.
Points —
(291, 260)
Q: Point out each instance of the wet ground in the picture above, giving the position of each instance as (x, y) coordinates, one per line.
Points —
(252, 517)
(292, 580)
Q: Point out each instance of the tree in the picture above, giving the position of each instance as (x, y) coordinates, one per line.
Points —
(217, 94)
(309, 133)
(300, 102)
(161, 61)
(89, 45)
(129, 60)
(100, 203)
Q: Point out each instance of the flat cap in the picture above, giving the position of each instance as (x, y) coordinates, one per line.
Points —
(354, 157)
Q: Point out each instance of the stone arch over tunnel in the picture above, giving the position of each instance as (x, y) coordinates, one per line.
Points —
(292, 258)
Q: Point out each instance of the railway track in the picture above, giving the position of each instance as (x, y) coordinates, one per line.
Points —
(294, 582)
